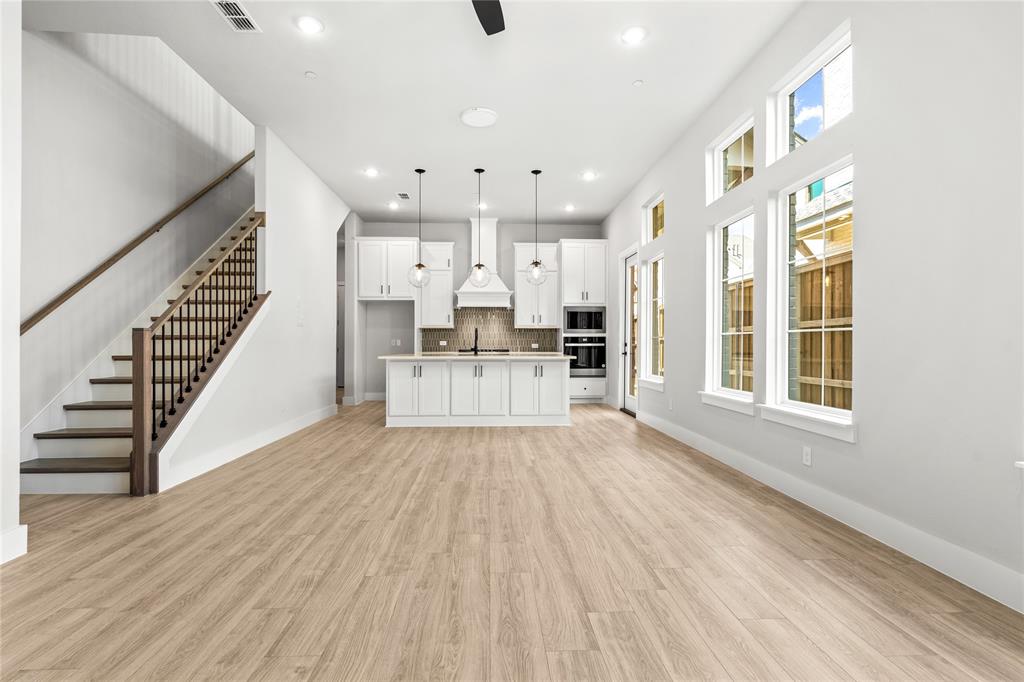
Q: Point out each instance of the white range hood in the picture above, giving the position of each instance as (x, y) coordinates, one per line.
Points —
(495, 294)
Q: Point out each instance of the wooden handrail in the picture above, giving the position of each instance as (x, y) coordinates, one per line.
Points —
(258, 218)
(63, 296)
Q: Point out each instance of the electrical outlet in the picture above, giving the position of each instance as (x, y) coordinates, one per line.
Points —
(534, 345)
(398, 342)
(442, 343)
(670, 404)
(807, 456)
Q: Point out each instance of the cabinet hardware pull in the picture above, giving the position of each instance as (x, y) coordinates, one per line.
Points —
(535, 370)
(474, 371)
(481, 370)
(541, 370)
(382, 288)
(389, 290)
(414, 371)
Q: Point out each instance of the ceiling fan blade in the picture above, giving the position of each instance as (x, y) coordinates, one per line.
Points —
(490, 16)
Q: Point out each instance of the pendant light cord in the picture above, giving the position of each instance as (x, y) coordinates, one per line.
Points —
(479, 199)
(419, 217)
(536, 239)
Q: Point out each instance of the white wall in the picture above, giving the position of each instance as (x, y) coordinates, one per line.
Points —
(118, 131)
(938, 286)
(355, 372)
(13, 536)
(283, 377)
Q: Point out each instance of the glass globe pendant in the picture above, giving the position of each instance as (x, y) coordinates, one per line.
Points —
(479, 275)
(536, 273)
(419, 274)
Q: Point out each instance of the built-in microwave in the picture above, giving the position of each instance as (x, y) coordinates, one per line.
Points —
(588, 355)
(584, 320)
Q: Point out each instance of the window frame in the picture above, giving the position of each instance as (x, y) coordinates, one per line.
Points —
(647, 235)
(778, 406)
(713, 157)
(777, 121)
(646, 378)
(714, 393)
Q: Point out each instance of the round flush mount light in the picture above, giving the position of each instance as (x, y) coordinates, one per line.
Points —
(311, 75)
(371, 172)
(589, 176)
(634, 35)
(310, 25)
(569, 208)
(479, 117)
(393, 205)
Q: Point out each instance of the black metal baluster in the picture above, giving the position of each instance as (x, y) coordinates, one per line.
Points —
(152, 378)
(193, 326)
(225, 330)
(170, 378)
(236, 309)
(243, 281)
(205, 326)
(255, 258)
(163, 384)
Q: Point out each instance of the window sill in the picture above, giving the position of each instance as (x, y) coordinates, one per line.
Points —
(653, 384)
(833, 426)
(727, 401)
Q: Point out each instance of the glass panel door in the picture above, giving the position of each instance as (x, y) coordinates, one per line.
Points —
(631, 327)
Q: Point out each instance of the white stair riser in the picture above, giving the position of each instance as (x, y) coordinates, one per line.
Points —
(84, 447)
(98, 418)
(115, 483)
(111, 391)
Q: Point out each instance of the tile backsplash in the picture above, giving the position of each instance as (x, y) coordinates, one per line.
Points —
(497, 330)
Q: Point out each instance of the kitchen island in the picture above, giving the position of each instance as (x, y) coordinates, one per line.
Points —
(485, 389)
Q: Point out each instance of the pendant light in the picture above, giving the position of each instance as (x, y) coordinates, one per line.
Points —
(536, 273)
(419, 274)
(479, 276)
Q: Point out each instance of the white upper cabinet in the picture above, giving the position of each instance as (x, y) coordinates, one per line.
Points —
(383, 268)
(584, 271)
(525, 252)
(536, 306)
(436, 299)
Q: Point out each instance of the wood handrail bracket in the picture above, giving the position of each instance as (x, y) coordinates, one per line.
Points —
(63, 297)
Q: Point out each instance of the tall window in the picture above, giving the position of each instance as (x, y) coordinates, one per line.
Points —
(634, 328)
(656, 353)
(734, 281)
(655, 218)
(823, 99)
(737, 160)
(819, 354)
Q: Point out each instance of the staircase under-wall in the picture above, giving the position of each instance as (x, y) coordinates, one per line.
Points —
(110, 443)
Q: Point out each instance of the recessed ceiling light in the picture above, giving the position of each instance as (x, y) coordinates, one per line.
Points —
(479, 117)
(589, 176)
(638, 83)
(371, 172)
(309, 25)
(634, 35)
(393, 205)
(482, 205)
(310, 75)
(570, 208)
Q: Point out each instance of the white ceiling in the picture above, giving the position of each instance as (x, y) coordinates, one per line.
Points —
(393, 78)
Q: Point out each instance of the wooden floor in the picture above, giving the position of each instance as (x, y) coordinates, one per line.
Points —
(601, 551)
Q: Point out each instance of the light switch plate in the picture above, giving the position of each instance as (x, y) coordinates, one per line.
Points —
(807, 456)
(534, 345)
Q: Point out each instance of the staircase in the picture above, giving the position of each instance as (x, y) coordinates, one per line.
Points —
(110, 443)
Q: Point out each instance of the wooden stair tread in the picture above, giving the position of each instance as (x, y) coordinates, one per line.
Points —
(75, 465)
(91, 432)
(88, 405)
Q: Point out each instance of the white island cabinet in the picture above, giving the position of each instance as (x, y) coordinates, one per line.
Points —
(490, 389)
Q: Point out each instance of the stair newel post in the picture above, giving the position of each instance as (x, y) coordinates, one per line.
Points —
(143, 411)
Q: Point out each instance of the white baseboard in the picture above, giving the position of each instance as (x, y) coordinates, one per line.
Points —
(13, 543)
(989, 577)
(170, 476)
(348, 400)
(375, 396)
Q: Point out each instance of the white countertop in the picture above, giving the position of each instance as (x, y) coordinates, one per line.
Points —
(535, 355)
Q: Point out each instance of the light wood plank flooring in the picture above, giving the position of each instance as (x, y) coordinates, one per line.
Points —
(601, 551)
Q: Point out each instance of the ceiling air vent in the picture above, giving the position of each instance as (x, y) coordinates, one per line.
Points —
(237, 17)
(403, 196)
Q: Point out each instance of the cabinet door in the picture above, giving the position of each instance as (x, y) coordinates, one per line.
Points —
(597, 273)
(464, 388)
(401, 257)
(436, 300)
(522, 383)
(401, 394)
(552, 387)
(526, 302)
(437, 255)
(490, 389)
(574, 278)
(549, 256)
(370, 263)
(547, 302)
(431, 389)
